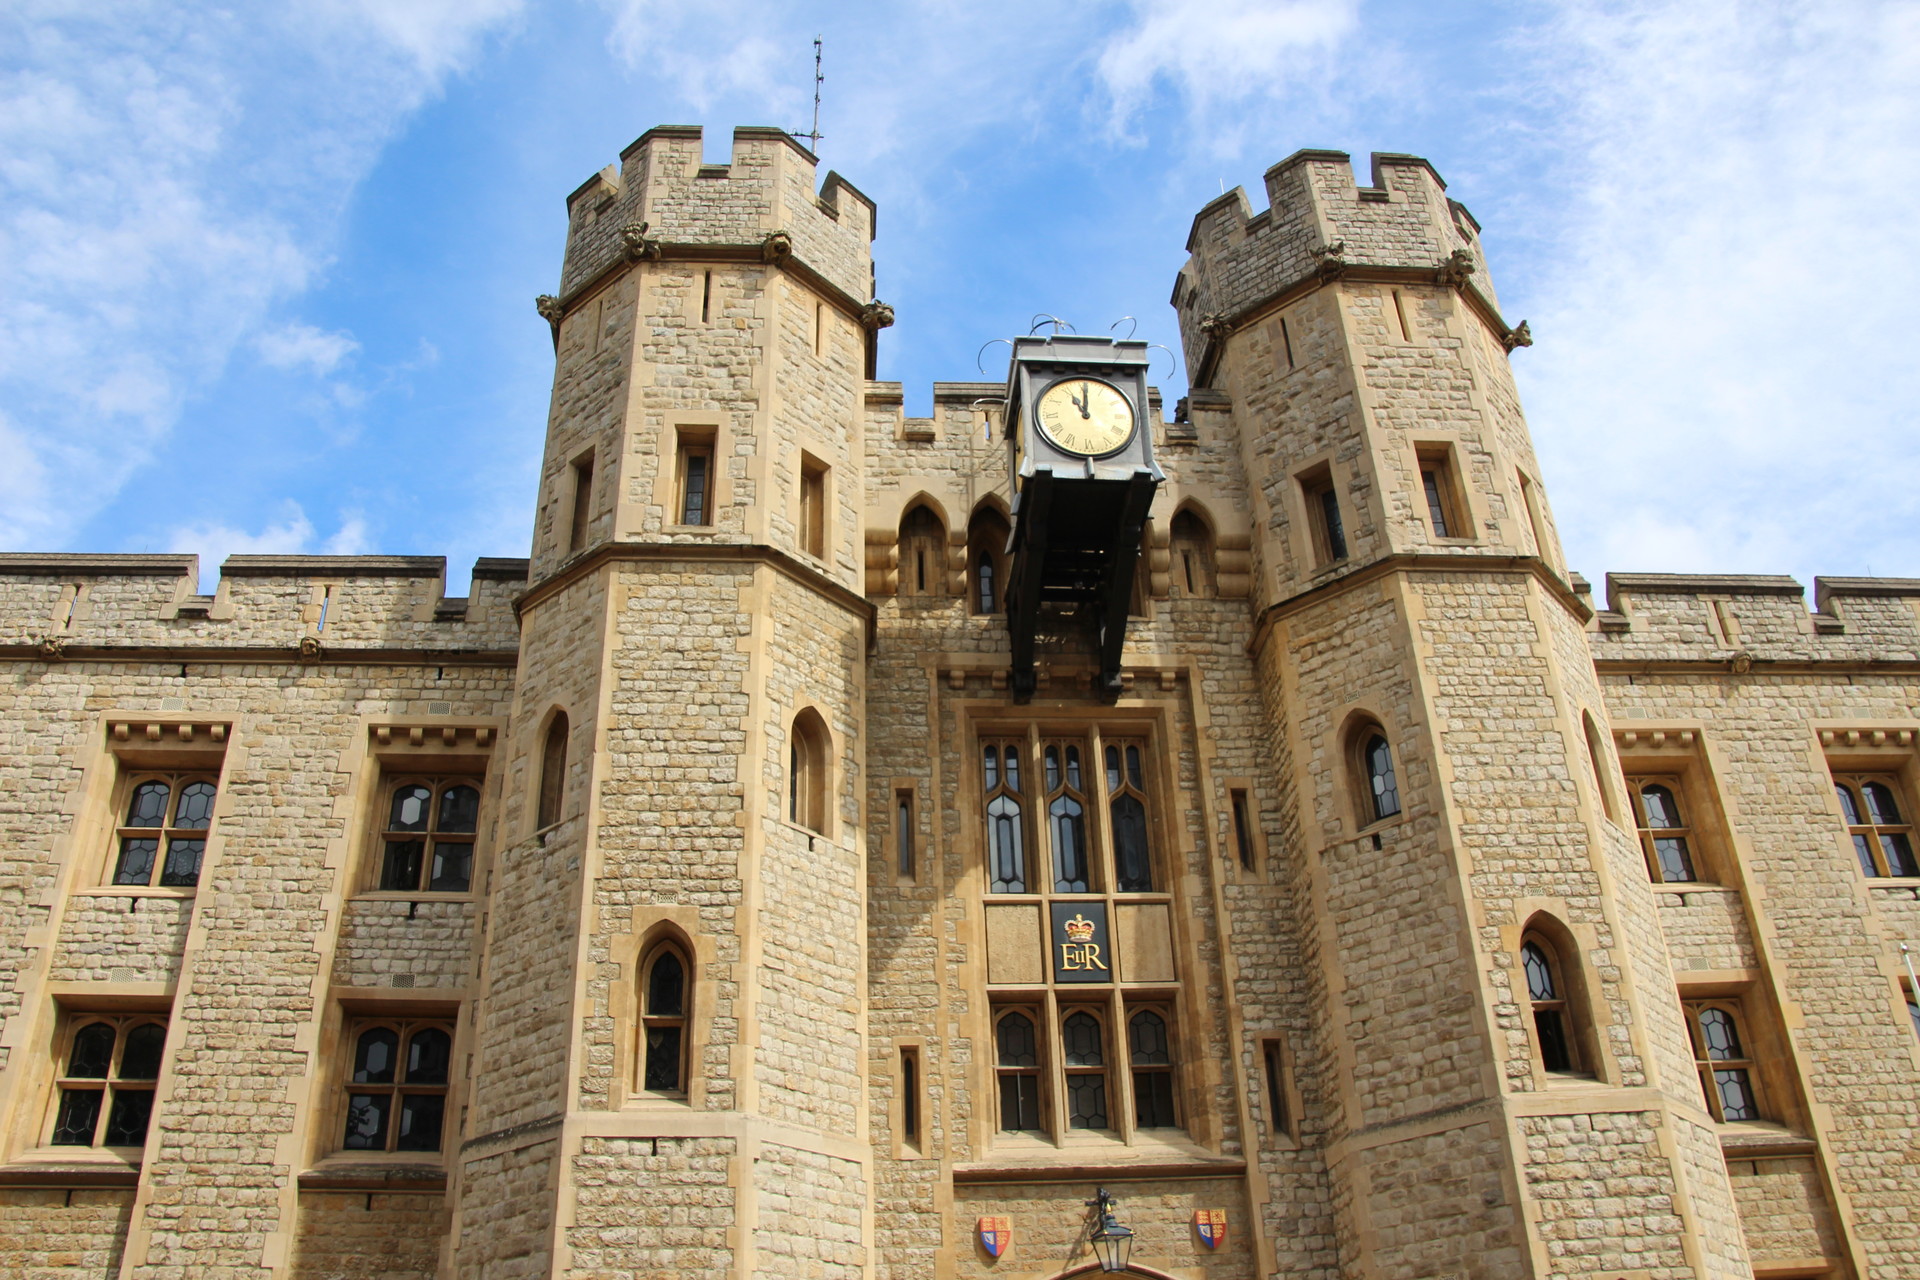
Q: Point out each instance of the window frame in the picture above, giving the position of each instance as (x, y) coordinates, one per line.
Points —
(1649, 836)
(1442, 494)
(810, 786)
(1326, 519)
(690, 444)
(394, 776)
(1872, 831)
(177, 781)
(1708, 1067)
(1046, 1002)
(1193, 570)
(645, 1020)
(580, 510)
(1560, 1006)
(813, 522)
(111, 1085)
(922, 553)
(353, 1027)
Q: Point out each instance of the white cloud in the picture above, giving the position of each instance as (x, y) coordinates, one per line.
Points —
(169, 171)
(292, 534)
(1216, 52)
(1724, 379)
(301, 346)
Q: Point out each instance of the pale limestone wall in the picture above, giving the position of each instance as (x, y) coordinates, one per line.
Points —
(421, 943)
(1050, 1229)
(121, 939)
(1828, 943)
(808, 1213)
(654, 1207)
(356, 1236)
(1604, 1191)
(55, 1234)
(1783, 1209)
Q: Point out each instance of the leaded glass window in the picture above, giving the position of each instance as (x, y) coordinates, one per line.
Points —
(1882, 836)
(1720, 1054)
(1665, 837)
(1383, 789)
(1127, 811)
(1017, 1066)
(1151, 1053)
(1548, 999)
(1067, 819)
(663, 1023)
(397, 1086)
(428, 836)
(164, 837)
(1006, 826)
(1083, 1053)
(105, 1089)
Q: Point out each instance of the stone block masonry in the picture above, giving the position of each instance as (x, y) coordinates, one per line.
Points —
(748, 730)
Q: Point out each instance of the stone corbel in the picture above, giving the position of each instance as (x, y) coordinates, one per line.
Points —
(638, 244)
(1518, 336)
(876, 315)
(1457, 269)
(551, 311)
(52, 648)
(776, 248)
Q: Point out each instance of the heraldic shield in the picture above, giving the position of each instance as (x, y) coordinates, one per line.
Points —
(996, 1234)
(1211, 1226)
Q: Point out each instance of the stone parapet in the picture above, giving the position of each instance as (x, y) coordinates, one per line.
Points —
(662, 198)
(70, 604)
(1743, 619)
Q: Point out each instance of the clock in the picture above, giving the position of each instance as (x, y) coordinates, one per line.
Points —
(1085, 416)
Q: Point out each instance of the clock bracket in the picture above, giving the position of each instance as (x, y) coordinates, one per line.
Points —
(1077, 519)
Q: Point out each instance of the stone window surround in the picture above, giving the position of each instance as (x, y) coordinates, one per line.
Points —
(139, 748)
(653, 927)
(435, 747)
(349, 1014)
(1675, 755)
(43, 1105)
(1890, 750)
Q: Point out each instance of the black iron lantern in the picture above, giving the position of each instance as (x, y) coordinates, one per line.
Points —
(1112, 1243)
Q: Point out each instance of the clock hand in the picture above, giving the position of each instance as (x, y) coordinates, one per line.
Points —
(1086, 398)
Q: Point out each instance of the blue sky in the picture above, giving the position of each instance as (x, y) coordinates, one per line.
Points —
(266, 272)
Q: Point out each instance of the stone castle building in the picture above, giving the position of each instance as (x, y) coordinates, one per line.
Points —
(819, 860)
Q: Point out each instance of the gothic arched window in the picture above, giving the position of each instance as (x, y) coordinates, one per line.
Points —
(923, 553)
(1017, 1067)
(1006, 819)
(1190, 546)
(1151, 1052)
(986, 561)
(1379, 783)
(665, 998)
(1547, 996)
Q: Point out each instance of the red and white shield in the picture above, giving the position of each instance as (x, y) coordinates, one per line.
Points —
(1211, 1226)
(996, 1234)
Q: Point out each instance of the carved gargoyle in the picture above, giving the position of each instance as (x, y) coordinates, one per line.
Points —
(52, 648)
(1521, 335)
(1216, 325)
(876, 315)
(638, 243)
(551, 311)
(1332, 254)
(777, 247)
(310, 648)
(1457, 269)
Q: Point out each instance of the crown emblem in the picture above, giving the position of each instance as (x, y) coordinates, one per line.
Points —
(1079, 929)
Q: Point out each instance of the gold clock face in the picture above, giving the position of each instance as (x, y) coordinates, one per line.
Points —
(1085, 416)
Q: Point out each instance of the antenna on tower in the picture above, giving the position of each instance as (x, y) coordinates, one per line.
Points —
(813, 134)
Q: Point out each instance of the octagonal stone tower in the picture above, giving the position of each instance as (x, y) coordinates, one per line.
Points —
(1408, 591)
(693, 632)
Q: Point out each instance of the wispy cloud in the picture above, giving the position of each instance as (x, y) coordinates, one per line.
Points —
(168, 171)
(1724, 379)
(301, 346)
(292, 534)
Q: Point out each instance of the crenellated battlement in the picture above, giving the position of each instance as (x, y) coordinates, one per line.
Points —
(1320, 222)
(663, 201)
(1744, 618)
(59, 601)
